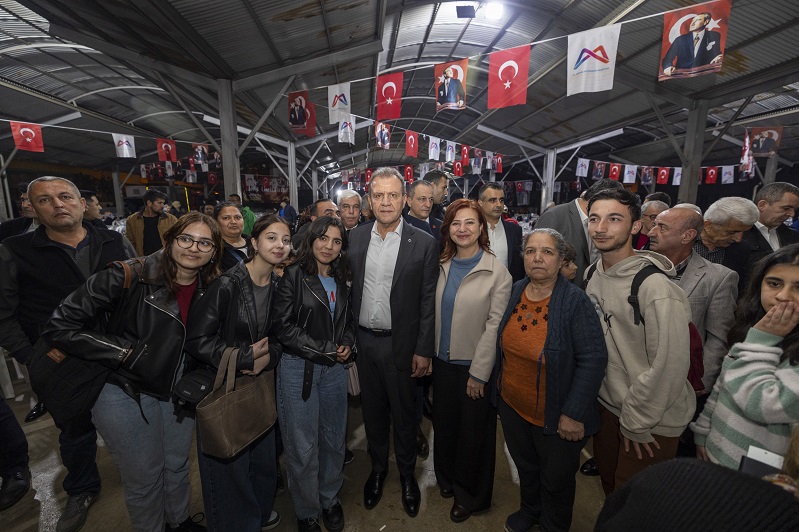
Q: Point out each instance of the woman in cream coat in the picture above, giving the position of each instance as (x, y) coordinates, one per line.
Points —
(472, 292)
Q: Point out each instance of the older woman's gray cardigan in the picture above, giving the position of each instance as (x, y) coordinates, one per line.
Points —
(575, 355)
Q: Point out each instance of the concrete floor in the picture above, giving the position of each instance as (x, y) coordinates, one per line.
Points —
(41, 507)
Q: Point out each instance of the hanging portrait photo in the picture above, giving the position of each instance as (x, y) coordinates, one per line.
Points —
(451, 85)
(693, 40)
(382, 135)
(765, 141)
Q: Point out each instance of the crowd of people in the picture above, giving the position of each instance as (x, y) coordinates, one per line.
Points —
(653, 331)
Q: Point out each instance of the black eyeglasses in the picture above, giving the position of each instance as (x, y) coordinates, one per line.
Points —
(186, 242)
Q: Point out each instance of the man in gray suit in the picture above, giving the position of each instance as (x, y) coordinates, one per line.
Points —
(394, 275)
(711, 288)
(571, 221)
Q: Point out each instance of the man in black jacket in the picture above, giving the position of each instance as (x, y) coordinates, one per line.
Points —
(505, 237)
(394, 275)
(37, 270)
(23, 224)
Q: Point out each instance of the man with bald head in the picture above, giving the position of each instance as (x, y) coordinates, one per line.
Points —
(711, 288)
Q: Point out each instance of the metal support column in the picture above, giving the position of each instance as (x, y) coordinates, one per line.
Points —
(118, 202)
(293, 181)
(230, 140)
(548, 183)
(771, 170)
(694, 146)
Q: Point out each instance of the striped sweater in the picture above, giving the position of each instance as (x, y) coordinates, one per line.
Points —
(755, 401)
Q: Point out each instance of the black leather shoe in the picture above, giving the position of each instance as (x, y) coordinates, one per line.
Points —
(459, 514)
(36, 412)
(447, 493)
(308, 525)
(589, 468)
(422, 447)
(373, 489)
(411, 496)
(15, 486)
(427, 408)
(333, 518)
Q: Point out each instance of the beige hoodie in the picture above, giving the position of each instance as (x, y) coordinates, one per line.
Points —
(646, 381)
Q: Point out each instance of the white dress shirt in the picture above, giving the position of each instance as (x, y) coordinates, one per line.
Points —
(770, 235)
(381, 258)
(498, 242)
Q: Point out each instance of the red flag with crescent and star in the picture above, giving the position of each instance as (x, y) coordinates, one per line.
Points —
(498, 163)
(507, 77)
(367, 174)
(457, 168)
(615, 171)
(167, 151)
(408, 173)
(464, 154)
(711, 174)
(389, 96)
(411, 143)
(663, 175)
(27, 137)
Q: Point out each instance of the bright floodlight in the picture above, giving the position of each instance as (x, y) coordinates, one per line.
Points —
(493, 11)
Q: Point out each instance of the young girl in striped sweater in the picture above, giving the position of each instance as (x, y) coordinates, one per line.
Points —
(756, 398)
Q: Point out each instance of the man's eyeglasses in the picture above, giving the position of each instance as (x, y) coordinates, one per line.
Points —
(186, 242)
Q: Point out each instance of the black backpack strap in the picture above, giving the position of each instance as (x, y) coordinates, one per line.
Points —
(589, 272)
(638, 280)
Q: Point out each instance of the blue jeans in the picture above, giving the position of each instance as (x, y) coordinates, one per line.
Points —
(313, 433)
(239, 492)
(152, 456)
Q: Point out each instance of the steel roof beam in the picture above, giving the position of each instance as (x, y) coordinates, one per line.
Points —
(512, 139)
(132, 57)
(273, 76)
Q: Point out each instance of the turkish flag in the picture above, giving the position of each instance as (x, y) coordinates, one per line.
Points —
(265, 184)
(389, 96)
(615, 171)
(464, 154)
(411, 143)
(711, 173)
(507, 77)
(409, 172)
(368, 174)
(498, 163)
(457, 168)
(519, 186)
(212, 179)
(27, 137)
(167, 151)
(663, 175)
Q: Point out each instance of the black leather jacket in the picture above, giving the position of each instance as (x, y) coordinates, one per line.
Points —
(144, 349)
(226, 317)
(303, 323)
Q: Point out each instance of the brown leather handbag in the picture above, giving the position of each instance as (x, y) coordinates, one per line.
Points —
(232, 417)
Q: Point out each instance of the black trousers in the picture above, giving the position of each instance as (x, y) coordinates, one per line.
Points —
(465, 437)
(388, 396)
(547, 466)
(13, 445)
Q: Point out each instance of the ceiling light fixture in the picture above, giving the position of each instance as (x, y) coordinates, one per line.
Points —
(493, 11)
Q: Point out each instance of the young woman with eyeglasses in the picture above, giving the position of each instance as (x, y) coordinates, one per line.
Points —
(139, 334)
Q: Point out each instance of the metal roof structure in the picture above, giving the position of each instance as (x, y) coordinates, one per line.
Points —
(150, 68)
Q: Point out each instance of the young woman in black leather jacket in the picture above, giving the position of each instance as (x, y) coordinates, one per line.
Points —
(237, 312)
(142, 342)
(314, 323)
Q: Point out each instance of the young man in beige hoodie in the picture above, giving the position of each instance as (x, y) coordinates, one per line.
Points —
(646, 399)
